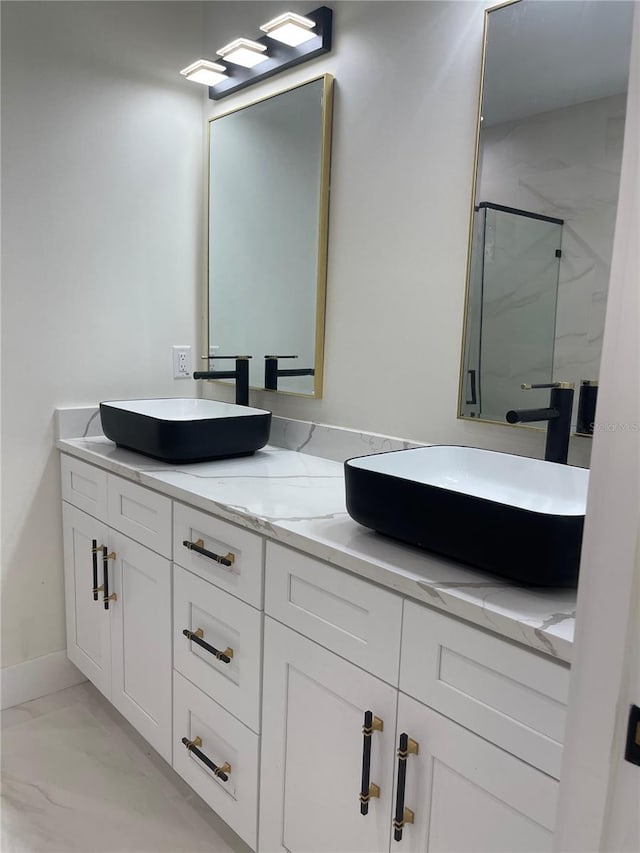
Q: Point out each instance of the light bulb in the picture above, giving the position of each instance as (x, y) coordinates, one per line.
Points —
(290, 29)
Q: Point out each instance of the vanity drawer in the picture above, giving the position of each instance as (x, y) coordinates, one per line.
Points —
(512, 697)
(224, 740)
(139, 513)
(84, 486)
(225, 623)
(243, 578)
(354, 618)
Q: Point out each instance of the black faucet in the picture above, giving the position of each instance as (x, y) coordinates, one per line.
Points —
(240, 374)
(272, 372)
(558, 416)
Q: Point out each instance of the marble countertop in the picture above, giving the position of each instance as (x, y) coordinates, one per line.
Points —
(299, 500)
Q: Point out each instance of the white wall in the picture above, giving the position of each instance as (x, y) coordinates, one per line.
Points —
(102, 252)
(406, 90)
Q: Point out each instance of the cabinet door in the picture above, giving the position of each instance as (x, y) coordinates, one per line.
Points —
(468, 795)
(141, 640)
(312, 749)
(88, 632)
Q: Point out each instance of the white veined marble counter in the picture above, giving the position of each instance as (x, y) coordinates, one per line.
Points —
(299, 500)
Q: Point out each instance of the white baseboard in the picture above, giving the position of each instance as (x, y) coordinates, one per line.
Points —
(37, 677)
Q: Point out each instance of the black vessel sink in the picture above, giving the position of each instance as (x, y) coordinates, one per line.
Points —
(185, 430)
(517, 517)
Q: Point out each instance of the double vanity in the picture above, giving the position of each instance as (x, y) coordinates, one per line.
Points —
(321, 687)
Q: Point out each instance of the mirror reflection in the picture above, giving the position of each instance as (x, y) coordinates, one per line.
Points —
(548, 172)
(268, 208)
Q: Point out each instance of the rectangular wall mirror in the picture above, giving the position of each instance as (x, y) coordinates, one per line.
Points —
(268, 216)
(548, 159)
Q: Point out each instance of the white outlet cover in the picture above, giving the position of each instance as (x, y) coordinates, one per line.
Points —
(181, 362)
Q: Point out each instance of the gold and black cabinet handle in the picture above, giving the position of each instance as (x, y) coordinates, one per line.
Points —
(406, 747)
(94, 555)
(106, 556)
(368, 789)
(221, 772)
(198, 547)
(196, 637)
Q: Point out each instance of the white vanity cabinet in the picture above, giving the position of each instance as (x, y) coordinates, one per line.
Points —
(461, 792)
(462, 789)
(312, 709)
(123, 644)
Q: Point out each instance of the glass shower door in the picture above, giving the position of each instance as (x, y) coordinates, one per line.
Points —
(519, 291)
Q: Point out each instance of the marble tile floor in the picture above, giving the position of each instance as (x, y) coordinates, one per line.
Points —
(77, 777)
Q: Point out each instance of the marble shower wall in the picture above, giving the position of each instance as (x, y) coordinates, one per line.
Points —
(566, 164)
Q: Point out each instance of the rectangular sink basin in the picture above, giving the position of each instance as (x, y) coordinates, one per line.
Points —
(517, 517)
(184, 430)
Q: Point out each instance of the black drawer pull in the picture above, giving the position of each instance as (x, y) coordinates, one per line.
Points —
(221, 772)
(94, 556)
(368, 789)
(196, 637)
(198, 547)
(406, 747)
(106, 556)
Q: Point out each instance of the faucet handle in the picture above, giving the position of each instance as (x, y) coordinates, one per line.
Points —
(527, 387)
(236, 357)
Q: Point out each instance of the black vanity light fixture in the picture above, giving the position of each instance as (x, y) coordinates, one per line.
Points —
(289, 40)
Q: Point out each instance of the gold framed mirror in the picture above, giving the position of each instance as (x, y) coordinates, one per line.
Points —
(550, 129)
(269, 171)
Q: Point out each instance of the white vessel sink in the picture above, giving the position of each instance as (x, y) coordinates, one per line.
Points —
(184, 429)
(515, 516)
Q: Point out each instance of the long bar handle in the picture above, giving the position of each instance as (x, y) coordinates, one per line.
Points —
(526, 386)
(406, 747)
(106, 556)
(221, 772)
(198, 547)
(94, 556)
(368, 789)
(196, 637)
(474, 394)
(226, 357)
